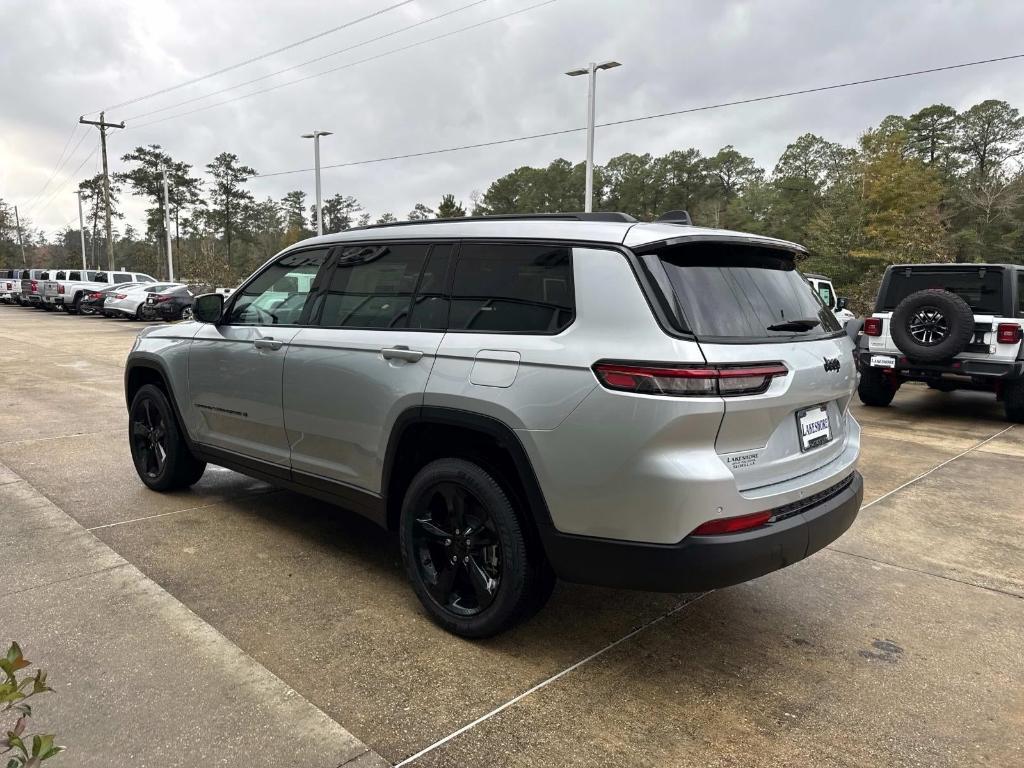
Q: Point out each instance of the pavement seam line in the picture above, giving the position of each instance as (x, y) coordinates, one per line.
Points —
(65, 580)
(926, 573)
(544, 683)
(923, 475)
(179, 511)
(64, 437)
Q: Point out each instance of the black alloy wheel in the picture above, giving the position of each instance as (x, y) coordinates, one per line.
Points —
(928, 326)
(149, 435)
(457, 549)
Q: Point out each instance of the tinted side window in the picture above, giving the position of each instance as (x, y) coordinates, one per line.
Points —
(122, 277)
(1020, 294)
(512, 288)
(279, 294)
(372, 286)
(144, 279)
(74, 275)
(430, 307)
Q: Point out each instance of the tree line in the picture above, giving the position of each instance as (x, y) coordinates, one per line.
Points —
(938, 185)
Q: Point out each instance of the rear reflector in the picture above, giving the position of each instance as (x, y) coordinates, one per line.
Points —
(732, 524)
(873, 326)
(1008, 333)
(688, 381)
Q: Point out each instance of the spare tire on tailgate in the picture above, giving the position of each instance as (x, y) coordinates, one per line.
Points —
(932, 325)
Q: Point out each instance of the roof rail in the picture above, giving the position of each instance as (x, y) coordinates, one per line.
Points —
(675, 217)
(613, 216)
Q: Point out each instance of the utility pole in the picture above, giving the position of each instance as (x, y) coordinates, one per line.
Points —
(167, 230)
(315, 136)
(102, 124)
(81, 228)
(591, 71)
(17, 223)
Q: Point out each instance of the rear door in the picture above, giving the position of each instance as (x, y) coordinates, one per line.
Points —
(235, 368)
(748, 305)
(364, 358)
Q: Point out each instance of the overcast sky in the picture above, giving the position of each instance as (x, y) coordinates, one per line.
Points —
(63, 58)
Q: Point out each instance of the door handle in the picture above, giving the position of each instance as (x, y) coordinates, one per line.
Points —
(272, 344)
(401, 352)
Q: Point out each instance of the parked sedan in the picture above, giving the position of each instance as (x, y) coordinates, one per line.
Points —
(91, 303)
(128, 302)
(175, 303)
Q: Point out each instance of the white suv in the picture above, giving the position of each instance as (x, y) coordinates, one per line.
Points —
(950, 326)
(645, 405)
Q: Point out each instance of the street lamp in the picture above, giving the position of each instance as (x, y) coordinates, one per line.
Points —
(315, 136)
(591, 69)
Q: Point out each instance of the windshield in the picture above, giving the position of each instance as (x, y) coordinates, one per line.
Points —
(729, 291)
(981, 289)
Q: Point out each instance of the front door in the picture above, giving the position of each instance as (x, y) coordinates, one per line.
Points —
(364, 359)
(235, 368)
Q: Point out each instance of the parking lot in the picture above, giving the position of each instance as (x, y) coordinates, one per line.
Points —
(900, 644)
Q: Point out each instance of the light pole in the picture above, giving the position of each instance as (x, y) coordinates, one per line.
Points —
(591, 69)
(81, 227)
(167, 229)
(315, 136)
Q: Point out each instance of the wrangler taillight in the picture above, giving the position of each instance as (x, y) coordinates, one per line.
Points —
(1008, 333)
(688, 380)
(873, 326)
(732, 524)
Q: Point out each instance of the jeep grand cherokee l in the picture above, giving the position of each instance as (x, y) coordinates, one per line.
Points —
(645, 405)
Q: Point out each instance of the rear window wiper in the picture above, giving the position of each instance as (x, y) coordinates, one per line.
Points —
(799, 326)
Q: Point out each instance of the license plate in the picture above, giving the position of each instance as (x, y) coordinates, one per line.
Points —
(883, 361)
(814, 427)
(151, 301)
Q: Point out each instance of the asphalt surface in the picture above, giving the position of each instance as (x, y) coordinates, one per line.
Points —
(900, 644)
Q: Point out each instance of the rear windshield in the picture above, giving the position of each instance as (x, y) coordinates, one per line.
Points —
(983, 293)
(726, 291)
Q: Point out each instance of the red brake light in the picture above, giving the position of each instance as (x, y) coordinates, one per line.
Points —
(34, 285)
(688, 381)
(1008, 333)
(95, 295)
(160, 299)
(732, 524)
(120, 295)
(60, 289)
(873, 326)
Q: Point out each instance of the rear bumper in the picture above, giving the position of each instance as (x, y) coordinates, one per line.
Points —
(707, 562)
(993, 369)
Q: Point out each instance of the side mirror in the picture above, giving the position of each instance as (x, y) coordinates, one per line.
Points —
(841, 302)
(208, 308)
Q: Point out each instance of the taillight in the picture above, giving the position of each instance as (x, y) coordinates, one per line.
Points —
(1008, 333)
(60, 289)
(161, 299)
(34, 285)
(873, 326)
(688, 381)
(732, 524)
(120, 295)
(95, 295)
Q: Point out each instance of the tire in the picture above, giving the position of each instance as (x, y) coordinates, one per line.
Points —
(153, 431)
(75, 307)
(497, 579)
(1013, 401)
(932, 325)
(875, 388)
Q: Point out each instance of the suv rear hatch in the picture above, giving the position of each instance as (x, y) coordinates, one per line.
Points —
(746, 305)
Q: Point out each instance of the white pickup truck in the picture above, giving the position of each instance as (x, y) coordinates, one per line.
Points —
(67, 287)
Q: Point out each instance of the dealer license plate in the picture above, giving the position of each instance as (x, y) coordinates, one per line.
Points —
(883, 361)
(814, 427)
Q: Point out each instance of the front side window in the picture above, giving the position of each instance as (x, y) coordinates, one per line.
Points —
(74, 275)
(512, 288)
(144, 279)
(279, 294)
(372, 286)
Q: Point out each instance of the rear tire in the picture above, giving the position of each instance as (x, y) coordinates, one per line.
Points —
(161, 456)
(474, 585)
(75, 306)
(1013, 401)
(875, 388)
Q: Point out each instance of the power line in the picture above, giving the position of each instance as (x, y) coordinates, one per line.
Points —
(310, 61)
(687, 110)
(57, 167)
(71, 177)
(346, 66)
(39, 196)
(261, 56)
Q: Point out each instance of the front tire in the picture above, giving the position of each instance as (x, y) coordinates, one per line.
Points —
(466, 552)
(875, 388)
(162, 458)
(1013, 401)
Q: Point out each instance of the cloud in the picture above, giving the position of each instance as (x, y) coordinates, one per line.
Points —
(499, 80)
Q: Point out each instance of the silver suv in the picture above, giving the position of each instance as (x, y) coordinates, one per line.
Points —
(646, 405)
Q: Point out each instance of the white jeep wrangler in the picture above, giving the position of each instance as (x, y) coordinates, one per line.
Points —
(950, 326)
